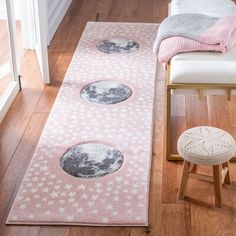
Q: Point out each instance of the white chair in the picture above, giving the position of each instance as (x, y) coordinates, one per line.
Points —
(200, 72)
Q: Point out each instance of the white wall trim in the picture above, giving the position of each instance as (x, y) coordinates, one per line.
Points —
(7, 98)
(55, 15)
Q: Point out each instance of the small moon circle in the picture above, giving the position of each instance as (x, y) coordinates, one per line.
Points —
(106, 92)
(117, 46)
(91, 160)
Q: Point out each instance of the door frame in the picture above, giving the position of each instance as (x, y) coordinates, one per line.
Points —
(13, 88)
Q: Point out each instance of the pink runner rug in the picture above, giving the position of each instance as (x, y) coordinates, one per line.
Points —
(92, 163)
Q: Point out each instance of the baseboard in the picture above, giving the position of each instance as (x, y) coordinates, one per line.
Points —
(7, 98)
(56, 16)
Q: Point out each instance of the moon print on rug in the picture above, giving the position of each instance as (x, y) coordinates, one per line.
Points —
(91, 160)
(106, 92)
(114, 46)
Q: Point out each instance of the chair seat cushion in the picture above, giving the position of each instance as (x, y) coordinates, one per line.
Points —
(204, 67)
(206, 145)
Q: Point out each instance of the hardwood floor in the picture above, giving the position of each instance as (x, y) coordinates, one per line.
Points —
(21, 129)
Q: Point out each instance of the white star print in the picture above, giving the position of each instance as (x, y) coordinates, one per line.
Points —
(54, 194)
(105, 219)
(98, 185)
(52, 176)
(79, 210)
(90, 204)
(95, 197)
(72, 194)
(68, 186)
(84, 196)
(98, 190)
(43, 168)
(94, 211)
(75, 204)
(116, 199)
(31, 216)
(46, 190)
(27, 199)
(109, 207)
(114, 213)
(34, 190)
(57, 187)
(129, 211)
(40, 184)
(61, 209)
(81, 186)
(71, 200)
(22, 206)
(29, 185)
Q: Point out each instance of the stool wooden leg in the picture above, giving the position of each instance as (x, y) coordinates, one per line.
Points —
(217, 176)
(193, 168)
(184, 180)
(227, 176)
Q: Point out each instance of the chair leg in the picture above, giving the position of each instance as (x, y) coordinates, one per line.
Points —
(184, 180)
(193, 168)
(217, 176)
(168, 123)
(227, 177)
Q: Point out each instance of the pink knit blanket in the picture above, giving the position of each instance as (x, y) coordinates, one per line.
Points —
(181, 33)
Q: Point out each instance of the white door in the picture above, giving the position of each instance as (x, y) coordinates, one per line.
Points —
(9, 69)
(41, 38)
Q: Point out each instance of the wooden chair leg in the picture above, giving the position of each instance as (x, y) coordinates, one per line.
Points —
(168, 123)
(227, 176)
(193, 168)
(217, 176)
(184, 180)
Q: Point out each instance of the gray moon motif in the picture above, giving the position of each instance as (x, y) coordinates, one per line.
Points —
(106, 92)
(117, 46)
(91, 160)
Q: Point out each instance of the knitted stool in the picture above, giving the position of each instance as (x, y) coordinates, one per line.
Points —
(206, 145)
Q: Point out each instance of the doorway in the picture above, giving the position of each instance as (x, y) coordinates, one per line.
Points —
(10, 33)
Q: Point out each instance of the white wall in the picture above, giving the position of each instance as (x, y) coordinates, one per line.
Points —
(56, 11)
(17, 9)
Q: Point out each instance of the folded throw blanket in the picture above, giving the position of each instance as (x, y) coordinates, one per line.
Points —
(194, 32)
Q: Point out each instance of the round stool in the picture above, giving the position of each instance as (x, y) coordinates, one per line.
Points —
(206, 145)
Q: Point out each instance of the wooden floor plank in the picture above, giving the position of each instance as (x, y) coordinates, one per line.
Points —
(19, 163)
(176, 220)
(54, 231)
(219, 113)
(23, 231)
(17, 118)
(197, 112)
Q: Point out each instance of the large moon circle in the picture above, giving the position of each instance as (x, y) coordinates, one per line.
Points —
(91, 160)
(106, 92)
(117, 46)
